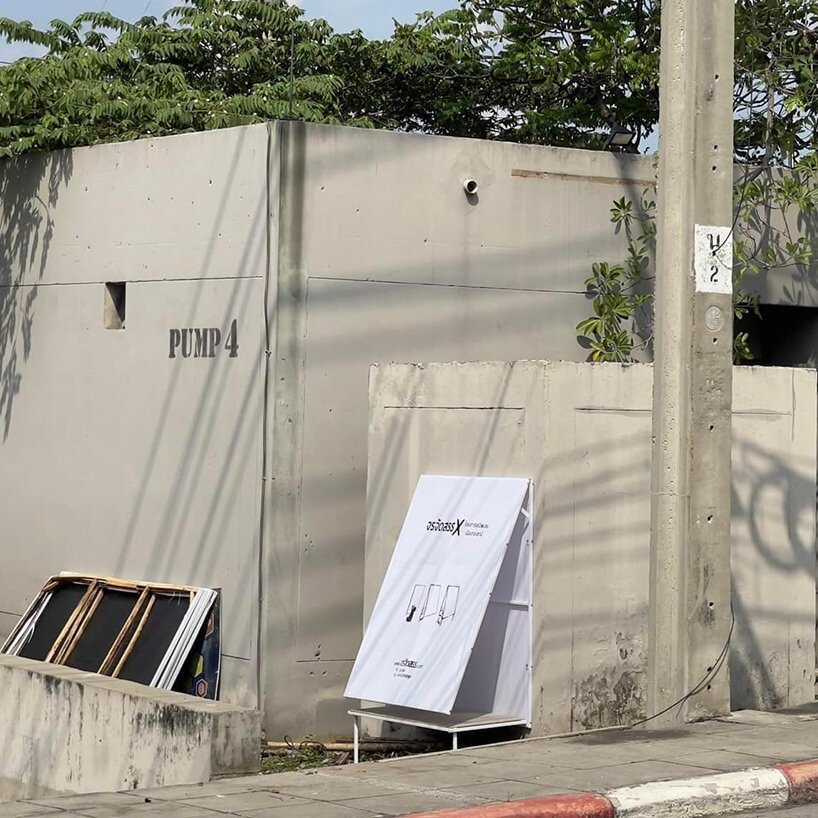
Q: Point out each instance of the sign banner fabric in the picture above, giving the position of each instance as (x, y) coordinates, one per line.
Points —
(436, 590)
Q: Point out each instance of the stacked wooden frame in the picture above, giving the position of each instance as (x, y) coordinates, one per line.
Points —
(140, 631)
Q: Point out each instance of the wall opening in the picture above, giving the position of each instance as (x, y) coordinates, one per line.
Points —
(114, 313)
(782, 335)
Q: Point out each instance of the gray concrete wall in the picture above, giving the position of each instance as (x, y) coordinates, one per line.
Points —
(382, 257)
(582, 433)
(115, 458)
(333, 248)
(67, 731)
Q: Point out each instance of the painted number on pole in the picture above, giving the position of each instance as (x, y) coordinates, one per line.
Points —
(713, 259)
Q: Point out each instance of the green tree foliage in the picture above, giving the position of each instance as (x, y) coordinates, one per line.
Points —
(776, 197)
(207, 64)
(621, 293)
(215, 63)
(567, 70)
(557, 72)
(564, 71)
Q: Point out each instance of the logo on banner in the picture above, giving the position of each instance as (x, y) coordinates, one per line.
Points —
(457, 527)
(452, 528)
(405, 667)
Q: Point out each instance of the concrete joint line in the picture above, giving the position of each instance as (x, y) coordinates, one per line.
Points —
(397, 787)
(720, 794)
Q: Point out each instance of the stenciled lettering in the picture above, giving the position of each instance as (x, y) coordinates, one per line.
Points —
(175, 340)
(202, 342)
(200, 349)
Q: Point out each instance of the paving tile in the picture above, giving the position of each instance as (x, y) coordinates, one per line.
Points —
(498, 791)
(725, 761)
(86, 801)
(517, 770)
(224, 786)
(522, 753)
(606, 778)
(310, 810)
(409, 802)
(448, 761)
(242, 801)
(781, 751)
(277, 779)
(175, 793)
(589, 760)
(143, 809)
(454, 764)
(373, 770)
(576, 757)
(775, 718)
(334, 789)
(25, 809)
(715, 726)
(796, 734)
(438, 780)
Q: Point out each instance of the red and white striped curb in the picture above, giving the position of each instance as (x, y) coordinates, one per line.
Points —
(764, 788)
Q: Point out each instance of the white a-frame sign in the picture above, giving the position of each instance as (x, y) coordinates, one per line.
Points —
(451, 629)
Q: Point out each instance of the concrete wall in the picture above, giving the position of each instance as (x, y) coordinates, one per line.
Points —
(115, 458)
(333, 248)
(582, 433)
(67, 731)
(381, 257)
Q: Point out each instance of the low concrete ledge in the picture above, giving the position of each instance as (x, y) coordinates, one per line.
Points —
(70, 731)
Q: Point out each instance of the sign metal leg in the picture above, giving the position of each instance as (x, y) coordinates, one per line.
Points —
(454, 741)
(356, 738)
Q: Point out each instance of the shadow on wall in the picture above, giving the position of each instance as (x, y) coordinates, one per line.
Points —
(29, 189)
(604, 562)
(767, 488)
(777, 225)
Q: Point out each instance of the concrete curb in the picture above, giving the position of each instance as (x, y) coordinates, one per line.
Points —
(761, 788)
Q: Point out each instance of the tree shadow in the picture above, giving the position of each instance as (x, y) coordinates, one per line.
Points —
(29, 189)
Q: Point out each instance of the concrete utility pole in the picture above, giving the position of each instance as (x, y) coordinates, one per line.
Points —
(690, 614)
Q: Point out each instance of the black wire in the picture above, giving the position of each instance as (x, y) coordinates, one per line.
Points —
(707, 678)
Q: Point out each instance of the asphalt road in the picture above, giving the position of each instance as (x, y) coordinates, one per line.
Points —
(805, 811)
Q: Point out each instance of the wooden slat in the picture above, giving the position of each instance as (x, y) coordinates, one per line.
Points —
(81, 625)
(69, 625)
(134, 638)
(111, 655)
(116, 582)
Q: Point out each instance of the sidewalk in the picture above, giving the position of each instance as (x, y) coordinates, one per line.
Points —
(592, 762)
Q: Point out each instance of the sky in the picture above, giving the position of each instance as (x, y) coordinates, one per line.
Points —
(373, 17)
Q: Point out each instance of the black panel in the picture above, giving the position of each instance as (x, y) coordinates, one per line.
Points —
(162, 623)
(102, 630)
(64, 600)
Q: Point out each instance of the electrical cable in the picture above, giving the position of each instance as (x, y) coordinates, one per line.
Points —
(711, 674)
